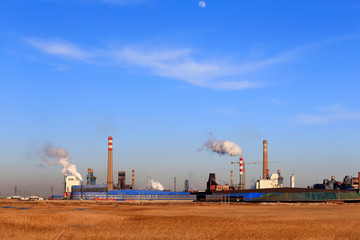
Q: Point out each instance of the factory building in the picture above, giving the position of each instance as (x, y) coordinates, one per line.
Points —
(121, 180)
(90, 178)
(120, 191)
(269, 188)
(213, 186)
(69, 182)
(274, 181)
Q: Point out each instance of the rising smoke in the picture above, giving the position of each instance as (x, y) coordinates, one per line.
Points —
(155, 185)
(221, 147)
(59, 156)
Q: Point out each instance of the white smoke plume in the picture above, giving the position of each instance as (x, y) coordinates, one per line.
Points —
(153, 185)
(222, 147)
(59, 156)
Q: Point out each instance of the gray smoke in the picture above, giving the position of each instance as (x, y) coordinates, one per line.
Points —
(59, 156)
(222, 147)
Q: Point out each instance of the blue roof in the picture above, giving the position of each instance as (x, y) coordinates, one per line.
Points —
(90, 186)
(144, 192)
(88, 193)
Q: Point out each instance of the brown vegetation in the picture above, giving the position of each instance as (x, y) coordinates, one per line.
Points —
(64, 220)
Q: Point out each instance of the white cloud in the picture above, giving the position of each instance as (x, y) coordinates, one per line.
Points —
(58, 47)
(329, 115)
(181, 65)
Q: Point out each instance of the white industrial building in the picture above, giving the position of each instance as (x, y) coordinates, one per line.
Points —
(275, 181)
(69, 182)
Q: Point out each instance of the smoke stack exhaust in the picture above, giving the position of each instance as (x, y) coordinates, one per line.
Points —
(265, 159)
(133, 180)
(110, 181)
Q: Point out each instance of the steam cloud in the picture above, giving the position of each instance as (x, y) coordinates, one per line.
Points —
(222, 147)
(153, 185)
(62, 158)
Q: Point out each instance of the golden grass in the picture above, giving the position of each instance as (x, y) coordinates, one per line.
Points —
(61, 220)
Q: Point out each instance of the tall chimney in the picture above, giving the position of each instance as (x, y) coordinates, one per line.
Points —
(265, 159)
(241, 174)
(133, 180)
(231, 178)
(110, 181)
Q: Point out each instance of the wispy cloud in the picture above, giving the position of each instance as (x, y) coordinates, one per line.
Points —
(182, 65)
(328, 115)
(177, 63)
(59, 47)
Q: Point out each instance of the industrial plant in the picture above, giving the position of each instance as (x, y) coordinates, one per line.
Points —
(269, 188)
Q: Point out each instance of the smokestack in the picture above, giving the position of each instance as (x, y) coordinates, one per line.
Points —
(265, 159)
(133, 180)
(231, 178)
(241, 174)
(110, 181)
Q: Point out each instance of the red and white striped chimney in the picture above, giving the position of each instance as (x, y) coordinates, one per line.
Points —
(110, 181)
(241, 174)
(133, 179)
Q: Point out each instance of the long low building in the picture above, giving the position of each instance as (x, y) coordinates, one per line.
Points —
(99, 192)
(285, 195)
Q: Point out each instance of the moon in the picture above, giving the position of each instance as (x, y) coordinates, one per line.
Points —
(202, 4)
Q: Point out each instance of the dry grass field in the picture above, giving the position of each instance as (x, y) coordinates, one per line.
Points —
(93, 220)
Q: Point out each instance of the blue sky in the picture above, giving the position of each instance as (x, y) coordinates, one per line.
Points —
(159, 75)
